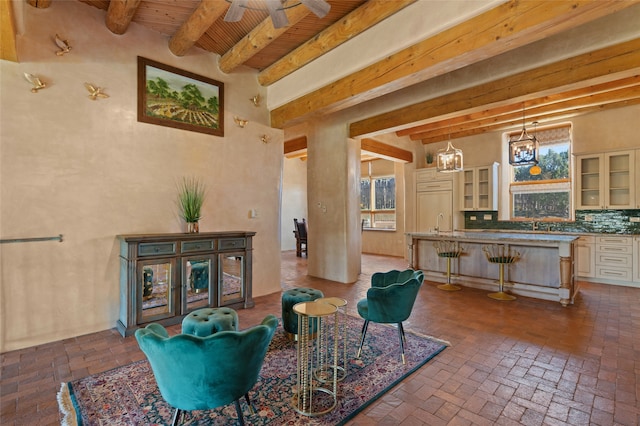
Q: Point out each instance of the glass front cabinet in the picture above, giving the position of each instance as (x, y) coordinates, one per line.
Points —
(163, 277)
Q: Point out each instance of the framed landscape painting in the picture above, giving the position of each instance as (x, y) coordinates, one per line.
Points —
(168, 96)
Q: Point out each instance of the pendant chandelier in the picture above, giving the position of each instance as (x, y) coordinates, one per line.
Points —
(276, 9)
(525, 149)
(449, 159)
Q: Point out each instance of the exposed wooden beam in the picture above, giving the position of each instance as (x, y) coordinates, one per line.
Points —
(259, 38)
(560, 104)
(501, 29)
(40, 4)
(8, 50)
(623, 58)
(207, 12)
(120, 14)
(385, 150)
(345, 29)
(296, 144)
(488, 113)
(551, 116)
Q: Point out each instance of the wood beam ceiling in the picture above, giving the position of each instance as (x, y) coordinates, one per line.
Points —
(611, 63)
(361, 19)
(545, 108)
(260, 37)
(508, 26)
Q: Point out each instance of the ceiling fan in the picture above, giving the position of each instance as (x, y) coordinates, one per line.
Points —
(276, 9)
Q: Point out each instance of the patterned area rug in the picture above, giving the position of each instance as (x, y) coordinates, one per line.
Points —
(129, 395)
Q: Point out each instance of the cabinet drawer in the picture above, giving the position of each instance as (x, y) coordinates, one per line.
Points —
(615, 240)
(445, 185)
(231, 243)
(189, 246)
(621, 274)
(615, 249)
(614, 260)
(154, 249)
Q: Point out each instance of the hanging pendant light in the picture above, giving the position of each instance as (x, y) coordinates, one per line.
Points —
(523, 150)
(449, 160)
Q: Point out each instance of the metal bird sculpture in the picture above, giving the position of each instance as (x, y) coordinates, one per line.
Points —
(95, 92)
(63, 45)
(240, 121)
(35, 82)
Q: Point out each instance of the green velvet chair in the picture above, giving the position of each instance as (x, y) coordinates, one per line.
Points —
(390, 301)
(202, 373)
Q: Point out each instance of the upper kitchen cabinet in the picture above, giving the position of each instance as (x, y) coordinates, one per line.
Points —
(606, 181)
(479, 188)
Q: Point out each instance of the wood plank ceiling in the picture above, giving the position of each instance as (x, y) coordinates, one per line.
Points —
(607, 78)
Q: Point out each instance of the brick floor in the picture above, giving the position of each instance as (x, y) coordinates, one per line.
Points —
(528, 362)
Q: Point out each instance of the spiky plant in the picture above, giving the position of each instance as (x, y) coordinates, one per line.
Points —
(191, 198)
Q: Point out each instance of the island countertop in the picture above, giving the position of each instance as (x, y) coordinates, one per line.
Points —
(544, 268)
(496, 236)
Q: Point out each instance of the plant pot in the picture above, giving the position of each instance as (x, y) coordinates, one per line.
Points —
(193, 227)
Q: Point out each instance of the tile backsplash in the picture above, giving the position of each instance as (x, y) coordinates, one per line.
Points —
(588, 221)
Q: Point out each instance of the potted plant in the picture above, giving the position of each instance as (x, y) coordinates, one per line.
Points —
(429, 157)
(190, 200)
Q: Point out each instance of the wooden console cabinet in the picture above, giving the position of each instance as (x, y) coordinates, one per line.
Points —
(163, 277)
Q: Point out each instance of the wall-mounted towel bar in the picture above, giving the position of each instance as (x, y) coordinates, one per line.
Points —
(29, 240)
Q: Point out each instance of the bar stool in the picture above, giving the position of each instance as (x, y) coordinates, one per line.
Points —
(448, 250)
(501, 255)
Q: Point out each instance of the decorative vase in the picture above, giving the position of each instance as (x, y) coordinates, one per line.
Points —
(193, 227)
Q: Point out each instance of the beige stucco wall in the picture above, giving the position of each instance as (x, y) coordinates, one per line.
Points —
(90, 171)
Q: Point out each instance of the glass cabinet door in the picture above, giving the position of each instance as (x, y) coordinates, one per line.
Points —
(231, 278)
(155, 288)
(197, 275)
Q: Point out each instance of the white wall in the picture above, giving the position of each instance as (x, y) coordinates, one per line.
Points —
(90, 171)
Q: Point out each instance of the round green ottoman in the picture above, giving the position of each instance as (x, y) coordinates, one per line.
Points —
(289, 299)
(204, 322)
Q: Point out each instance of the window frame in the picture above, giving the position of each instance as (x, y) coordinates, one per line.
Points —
(544, 186)
(371, 212)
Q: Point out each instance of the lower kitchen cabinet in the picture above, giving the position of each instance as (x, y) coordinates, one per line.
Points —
(586, 257)
(163, 277)
(614, 258)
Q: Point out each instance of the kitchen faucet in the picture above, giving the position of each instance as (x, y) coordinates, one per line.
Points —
(440, 216)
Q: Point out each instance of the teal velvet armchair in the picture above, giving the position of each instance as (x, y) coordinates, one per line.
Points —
(390, 301)
(200, 373)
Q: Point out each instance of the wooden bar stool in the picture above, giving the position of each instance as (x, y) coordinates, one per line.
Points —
(448, 250)
(501, 255)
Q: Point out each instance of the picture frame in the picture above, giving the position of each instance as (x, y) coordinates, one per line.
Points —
(171, 97)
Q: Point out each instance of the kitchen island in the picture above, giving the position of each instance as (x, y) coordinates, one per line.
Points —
(544, 270)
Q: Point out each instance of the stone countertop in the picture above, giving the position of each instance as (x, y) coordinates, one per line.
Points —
(497, 236)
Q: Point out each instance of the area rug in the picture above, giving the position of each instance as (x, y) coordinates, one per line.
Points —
(129, 395)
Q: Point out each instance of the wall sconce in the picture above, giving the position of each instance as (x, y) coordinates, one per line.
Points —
(240, 121)
(524, 150)
(256, 100)
(265, 138)
(449, 160)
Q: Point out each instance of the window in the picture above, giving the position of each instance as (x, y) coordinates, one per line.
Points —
(378, 195)
(547, 195)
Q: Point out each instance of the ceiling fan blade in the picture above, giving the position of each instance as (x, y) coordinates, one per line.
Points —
(236, 10)
(277, 13)
(319, 7)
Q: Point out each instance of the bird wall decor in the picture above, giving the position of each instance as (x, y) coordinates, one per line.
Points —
(63, 45)
(265, 138)
(36, 83)
(240, 122)
(256, 100)
(95, 92)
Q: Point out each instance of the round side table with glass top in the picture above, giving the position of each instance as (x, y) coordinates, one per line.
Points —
(316, 391)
